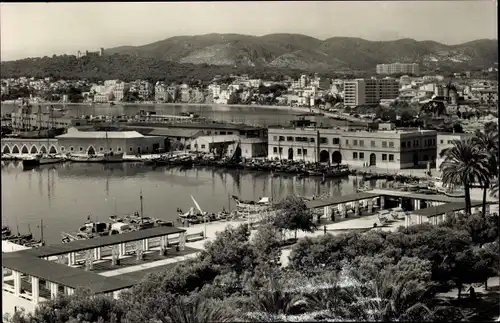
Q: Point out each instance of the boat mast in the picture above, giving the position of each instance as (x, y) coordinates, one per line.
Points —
(142, 209)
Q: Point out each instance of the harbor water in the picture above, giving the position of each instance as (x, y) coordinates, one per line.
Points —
(65, 195)
(251, 115)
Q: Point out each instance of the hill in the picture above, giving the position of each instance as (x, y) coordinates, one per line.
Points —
(129, 68)
(304, 52)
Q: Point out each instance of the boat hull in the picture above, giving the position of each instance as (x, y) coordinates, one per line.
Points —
(115, 158)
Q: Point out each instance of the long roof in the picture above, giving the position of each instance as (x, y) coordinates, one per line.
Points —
(444, 208)
(62, 274)
(101, 135)
(218, 126)
(341, 199)
(81, 245)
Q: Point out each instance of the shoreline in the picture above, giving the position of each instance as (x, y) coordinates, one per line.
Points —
(326, 114)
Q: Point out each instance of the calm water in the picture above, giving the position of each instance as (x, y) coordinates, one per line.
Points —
(64, 195)
(248, 114)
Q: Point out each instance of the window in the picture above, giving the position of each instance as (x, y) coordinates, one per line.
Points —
(101, 149)
(299, 151)
(416, 143)
(130, 149)
(442, 140)
(347, 141)
(119, 148)
(355, 155)
(336, 141)
(229, 132)
(62, 148)
(391, 144)
(323, 140)
(282, 138)
(408, 143)
(202, 146)
(362, 143)
(361, 155)
(403, 144)
(281, 150)
(384, 156)
(425, 142)
(110, 149)
(355, 142)
(373, 143)
(81, 148)
(384, 144)
(289, 138)
(275, 138)
(450, 142)
(304, 152)
(311, 140)
(391, 157)
(222, 132)
(275, 150)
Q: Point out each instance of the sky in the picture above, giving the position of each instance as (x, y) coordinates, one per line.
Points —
(39, 29)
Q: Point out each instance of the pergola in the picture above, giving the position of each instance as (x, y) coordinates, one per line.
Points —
(438, 213)
(35, 263)
(343, 200)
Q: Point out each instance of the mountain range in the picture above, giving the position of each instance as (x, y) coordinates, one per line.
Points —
(295, 51)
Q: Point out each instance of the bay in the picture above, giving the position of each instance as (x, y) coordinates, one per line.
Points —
(65, 195)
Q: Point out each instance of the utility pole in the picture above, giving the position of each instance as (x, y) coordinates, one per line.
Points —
(41, 226)
(142, 210)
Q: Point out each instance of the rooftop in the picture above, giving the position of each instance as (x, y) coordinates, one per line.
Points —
(218, 126)
(445, 208)
(74, 133)
(341, 199)
(80, 245)
(219, 138)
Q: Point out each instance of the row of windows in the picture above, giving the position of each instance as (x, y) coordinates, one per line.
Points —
(100, 148)
(290, 138)
(300, 151)
(361, 156)
(427, 142)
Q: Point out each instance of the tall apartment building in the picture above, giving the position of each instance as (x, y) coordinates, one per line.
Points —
(398, 68)
(369, 91)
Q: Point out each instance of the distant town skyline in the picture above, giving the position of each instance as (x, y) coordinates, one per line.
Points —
(44, 29)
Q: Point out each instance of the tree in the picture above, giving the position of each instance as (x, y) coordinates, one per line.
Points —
(293, 214)
(231, 250)
(197, 309)
(465, 165)
(488, 143)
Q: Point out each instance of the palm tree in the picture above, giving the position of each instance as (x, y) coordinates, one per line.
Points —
(197, 309)
(494, 188)
(488, 142)
(464, 164)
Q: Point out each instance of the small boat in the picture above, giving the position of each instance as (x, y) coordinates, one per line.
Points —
(108, 157)
(6, 231)
(42, 159)
(263, 202)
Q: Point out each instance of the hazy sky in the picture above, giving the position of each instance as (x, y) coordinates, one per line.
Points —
(38, 29)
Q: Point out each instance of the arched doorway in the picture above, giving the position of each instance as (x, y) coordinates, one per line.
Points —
(24, 150)
(373, 160)
(15, 150)
(324, 157)
(138, 150)
(43, 150)
(415, 158)
(6, 150)
(337, 157)
(52, 150)
(33, 150)
(91, 151)
(290, 153)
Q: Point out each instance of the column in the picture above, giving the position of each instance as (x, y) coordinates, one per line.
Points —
(370, 205)
(53, 290)
(145, 244)
(35, 289)
(344, 210)
(97, 253)
(407, 221)
(17, 282)
(70, 290)
(166, 241)
(487, 211)
(356, 208)
(121, 250)
(326, 212)
(116, 294)
(182, 240)
(382, 202)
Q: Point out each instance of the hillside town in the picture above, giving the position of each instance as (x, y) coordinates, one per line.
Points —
(336, 176)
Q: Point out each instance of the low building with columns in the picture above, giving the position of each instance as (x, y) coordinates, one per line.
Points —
(39, 274)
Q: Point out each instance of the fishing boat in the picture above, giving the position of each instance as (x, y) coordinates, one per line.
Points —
(42, 159)
(107, 157)
(263, 202)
